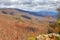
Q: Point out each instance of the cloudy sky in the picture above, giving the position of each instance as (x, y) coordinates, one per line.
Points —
(30, 5)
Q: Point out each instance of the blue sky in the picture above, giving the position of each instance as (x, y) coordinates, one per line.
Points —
(30, 5)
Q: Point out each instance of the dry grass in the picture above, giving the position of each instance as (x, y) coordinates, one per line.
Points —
(14, 27)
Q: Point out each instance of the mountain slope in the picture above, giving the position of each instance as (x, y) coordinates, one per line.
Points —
(15, 27)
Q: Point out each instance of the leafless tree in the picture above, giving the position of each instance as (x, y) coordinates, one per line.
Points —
(58, 9)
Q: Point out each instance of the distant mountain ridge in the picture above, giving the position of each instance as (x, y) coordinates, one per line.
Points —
(42, 13)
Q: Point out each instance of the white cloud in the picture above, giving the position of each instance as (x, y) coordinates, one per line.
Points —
(31, 5)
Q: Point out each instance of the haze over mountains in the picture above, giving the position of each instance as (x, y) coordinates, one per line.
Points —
(42, 13)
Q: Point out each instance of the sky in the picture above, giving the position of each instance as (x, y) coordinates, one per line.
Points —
(30, 5)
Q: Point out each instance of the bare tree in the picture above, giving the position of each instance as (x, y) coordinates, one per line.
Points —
(58, 9)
